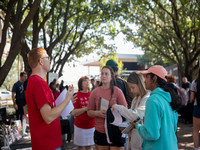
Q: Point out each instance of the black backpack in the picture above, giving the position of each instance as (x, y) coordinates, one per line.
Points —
(197, 94)
(122, 84)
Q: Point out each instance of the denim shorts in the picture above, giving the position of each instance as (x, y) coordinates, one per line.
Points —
(101, 139)
(196, 111)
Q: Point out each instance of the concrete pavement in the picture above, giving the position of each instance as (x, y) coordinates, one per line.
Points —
(184, 136)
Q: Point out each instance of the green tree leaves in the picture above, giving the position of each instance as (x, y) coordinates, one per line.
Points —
(168, 31)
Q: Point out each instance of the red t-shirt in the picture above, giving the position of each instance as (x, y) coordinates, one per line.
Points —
(83, 121)
(56, 94)
(43, 136)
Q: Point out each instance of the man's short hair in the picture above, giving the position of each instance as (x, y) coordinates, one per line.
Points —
(112, 63)
(34, 55)
(22, 73)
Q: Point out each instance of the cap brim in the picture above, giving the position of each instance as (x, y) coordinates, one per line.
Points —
(145, 72)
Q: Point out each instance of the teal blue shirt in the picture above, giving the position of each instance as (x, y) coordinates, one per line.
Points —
(160, 123)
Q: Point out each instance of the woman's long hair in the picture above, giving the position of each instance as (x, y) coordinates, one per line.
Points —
(137, 78)
(51, 86)
(112, 82)
(176, 102)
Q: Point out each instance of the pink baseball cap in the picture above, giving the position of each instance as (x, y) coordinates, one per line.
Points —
(157, 70)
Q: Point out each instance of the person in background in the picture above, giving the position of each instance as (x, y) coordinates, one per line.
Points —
(61, 88)
(97, 83)
(93, 84)
(25, 116)
(83, 125)
(18, 96)
(44, 122)
(195, 97)
(26, 81)
(171, 82)
(120, 83)
(109, 92)
(160, 122)
(137, 88)
(58, 86)
(186, 84)
(54, 90)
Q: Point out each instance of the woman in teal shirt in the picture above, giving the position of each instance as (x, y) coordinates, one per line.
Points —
(160, 120)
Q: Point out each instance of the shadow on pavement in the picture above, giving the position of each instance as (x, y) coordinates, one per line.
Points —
(184, 136)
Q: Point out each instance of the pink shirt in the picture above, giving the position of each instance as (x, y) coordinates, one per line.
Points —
(117, 98)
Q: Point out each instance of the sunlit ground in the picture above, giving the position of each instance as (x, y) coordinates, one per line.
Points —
(184, 135)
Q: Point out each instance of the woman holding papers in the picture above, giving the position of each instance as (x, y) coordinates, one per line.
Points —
(100, 100)
(137, 88)
(83, 125)
(160, 123)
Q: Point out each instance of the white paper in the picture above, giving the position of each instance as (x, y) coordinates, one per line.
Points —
(69, 107)
(103, 104)
(106, 129)
(118, 119)
(123, 124)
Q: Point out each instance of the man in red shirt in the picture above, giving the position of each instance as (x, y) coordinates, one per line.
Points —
(43, 114)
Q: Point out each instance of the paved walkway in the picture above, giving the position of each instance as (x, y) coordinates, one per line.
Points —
(184, 135)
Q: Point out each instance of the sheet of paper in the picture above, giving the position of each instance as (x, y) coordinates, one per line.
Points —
(69, 107)
(117, 117)
(123, 124)
(118, 120)
(103, 104)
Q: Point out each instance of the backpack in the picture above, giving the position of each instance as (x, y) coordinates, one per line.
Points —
(125, 90)
(182, 93)
(197, 94)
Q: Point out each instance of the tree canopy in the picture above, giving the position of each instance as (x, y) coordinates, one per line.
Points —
(66, 29)
(113, 56)
(167, 31)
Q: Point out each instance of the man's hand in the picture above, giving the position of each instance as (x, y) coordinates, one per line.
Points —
(74, 98)
(70, 92)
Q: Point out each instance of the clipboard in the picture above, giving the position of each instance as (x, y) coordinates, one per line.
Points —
(103, 104)
(127, 129)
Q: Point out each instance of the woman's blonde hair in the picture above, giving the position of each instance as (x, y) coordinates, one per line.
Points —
(137, 78)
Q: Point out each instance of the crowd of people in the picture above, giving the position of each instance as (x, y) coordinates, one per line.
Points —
(149, 100)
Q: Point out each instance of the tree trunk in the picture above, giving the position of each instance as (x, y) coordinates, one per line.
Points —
(14, 50)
